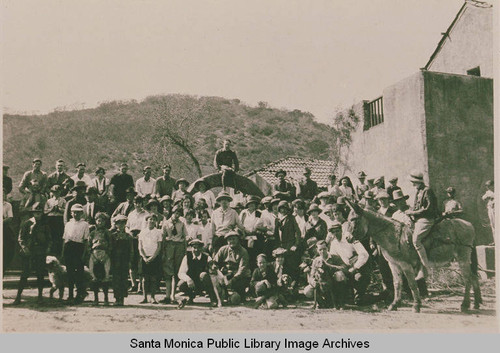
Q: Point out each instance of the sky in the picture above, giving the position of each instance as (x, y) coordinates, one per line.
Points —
(316, 55)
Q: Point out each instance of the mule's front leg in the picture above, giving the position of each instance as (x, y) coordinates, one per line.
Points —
(398, 284)
(410, 277)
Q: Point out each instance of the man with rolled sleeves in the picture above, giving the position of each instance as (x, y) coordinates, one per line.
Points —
(193, 274)
(35, 242)
(76, 235)
(34, 174)
(60, 178)
(424, 213)
(165, 185)
(232, 260)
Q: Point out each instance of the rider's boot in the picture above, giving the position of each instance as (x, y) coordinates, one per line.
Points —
(422, 272)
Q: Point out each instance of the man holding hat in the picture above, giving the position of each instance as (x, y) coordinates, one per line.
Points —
(226, 162)
(81, 175)
(119, 184)
(224, 220)
(363, 186)
(308, 188)
(35, 242)
(78, 191)
(165, 185)
(34, 174)
(424, 213)
(283, 189)
(60, 178)
(76, 235)
(145, 186)
(193, 273)
(232, 260)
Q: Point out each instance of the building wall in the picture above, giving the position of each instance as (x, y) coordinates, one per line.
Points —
(470, 44)
(397, 146)
(459, 116)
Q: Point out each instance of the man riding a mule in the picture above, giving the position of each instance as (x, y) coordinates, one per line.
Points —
(424, 214)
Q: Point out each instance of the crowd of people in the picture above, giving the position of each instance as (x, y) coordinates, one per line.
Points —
(133, 235)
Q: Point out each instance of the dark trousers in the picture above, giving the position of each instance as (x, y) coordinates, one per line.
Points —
(34, 262)
(385, 271)
(73, 253)
(239, 285)
(217, 243)
(56, 226)
(202, 283)
(228, 179)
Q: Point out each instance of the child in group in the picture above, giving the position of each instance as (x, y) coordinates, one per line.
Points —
(100, 248)
(263, 283)
(150, 240)
(121, 256)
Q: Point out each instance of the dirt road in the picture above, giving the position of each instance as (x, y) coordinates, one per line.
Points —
(440, 313)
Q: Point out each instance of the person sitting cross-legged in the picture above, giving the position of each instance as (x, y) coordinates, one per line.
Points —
(263, 283)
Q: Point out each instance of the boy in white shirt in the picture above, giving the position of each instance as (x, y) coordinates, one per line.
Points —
(150, 240)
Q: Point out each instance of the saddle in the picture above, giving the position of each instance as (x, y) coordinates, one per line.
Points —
(436, 238)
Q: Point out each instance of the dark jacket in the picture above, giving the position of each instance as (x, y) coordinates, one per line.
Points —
(227, 158)
(425, 205)
(287, 232)
(34, 237)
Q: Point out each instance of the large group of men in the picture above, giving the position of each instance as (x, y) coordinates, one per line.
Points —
(132, 235)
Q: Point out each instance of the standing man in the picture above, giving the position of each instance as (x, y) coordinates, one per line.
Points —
(224, 220)
(34, 174)
(76, 235)
(288, 234)
(165, 185)
(308, 187)
(34, 240)
(60, 178)
(145, 186)
(362, 187)
(489, 197)
(283, 189)
(81, 175)
(118, 185)
(226, 162)
(424, 213)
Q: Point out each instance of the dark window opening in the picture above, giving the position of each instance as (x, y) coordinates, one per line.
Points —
(374, 113)
(474, 72)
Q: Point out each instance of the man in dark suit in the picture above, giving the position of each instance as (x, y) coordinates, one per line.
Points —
(226, 162)
(283, 189)
(59, 177)
(287, 232)
(92, 207)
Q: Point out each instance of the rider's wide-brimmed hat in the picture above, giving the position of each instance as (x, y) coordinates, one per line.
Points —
(416, 177)
(398, 195)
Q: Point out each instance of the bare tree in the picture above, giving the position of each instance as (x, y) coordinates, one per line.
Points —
(177, 125)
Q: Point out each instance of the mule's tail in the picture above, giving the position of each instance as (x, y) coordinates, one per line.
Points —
(473, 260)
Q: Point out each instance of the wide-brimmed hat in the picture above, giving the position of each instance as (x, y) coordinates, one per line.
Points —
(181, 180)
(151, 203)
(279, 171)
(266, 200)
(416, 177)
(361, 174)
(165, 198)
(195, 242)
(324, 195)
(314, 208)
(231, 234)
(198, 182)
(223, 195)
(279, 252)
(77, 208)
(299, 203)
(252, 199)
(275, 200)
(283, 204)
(120, 218)
(311, 242)
(382, 194)
(450, 190)
(81, 164)
(398, 195)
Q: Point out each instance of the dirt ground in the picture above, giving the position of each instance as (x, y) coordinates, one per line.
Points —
(440, 313)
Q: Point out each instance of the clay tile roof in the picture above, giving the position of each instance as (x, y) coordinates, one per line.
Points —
(294, 167)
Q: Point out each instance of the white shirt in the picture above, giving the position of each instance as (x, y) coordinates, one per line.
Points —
(143, 187)
(76, 231)
(334, 190)
(101, 185)
(206, 232)
(7, 210)
(85, 178)
(268, 220)
(346, 191)
(192, 230)
(51, 203)
(490, 197)
(148, 240)
(136, 220)
(347, 250)
(250, 221)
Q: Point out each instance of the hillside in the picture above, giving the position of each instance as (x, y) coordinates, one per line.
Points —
(123, 131)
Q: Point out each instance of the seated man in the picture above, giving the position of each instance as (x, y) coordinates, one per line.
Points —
(193, 274)
(263, 284)
(226, 162)
(232, 260)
